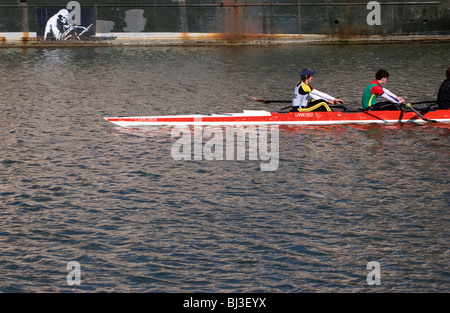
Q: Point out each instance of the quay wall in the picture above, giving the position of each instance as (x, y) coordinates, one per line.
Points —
(59, 22)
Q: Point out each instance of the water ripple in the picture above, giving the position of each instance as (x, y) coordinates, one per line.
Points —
(74, 188)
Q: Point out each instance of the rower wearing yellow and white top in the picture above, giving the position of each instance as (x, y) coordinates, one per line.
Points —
(307, 99)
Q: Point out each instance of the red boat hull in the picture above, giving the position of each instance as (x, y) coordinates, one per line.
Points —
(290, 118)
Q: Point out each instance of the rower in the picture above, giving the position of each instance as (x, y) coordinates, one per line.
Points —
(374, 89)
(444, 93)
(307, 99)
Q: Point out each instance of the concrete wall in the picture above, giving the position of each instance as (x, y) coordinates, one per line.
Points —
(205, 20)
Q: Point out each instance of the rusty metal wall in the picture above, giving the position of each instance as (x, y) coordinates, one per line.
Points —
(234, 18)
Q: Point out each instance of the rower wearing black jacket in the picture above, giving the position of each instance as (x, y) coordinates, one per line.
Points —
(444, 93)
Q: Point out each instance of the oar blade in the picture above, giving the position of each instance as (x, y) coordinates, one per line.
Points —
(260, 100)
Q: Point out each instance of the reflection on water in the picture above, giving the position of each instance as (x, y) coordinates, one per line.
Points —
(75, 188)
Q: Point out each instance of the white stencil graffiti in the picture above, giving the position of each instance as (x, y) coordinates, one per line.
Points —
(135, 21)
(65, 24)
(57, 25)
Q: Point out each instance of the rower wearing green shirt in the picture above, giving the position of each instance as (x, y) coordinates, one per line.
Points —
(374, 89)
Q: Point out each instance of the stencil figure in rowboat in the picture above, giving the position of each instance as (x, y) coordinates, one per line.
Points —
(57, 25)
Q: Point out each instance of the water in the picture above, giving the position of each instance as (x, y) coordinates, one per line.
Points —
(75, 188)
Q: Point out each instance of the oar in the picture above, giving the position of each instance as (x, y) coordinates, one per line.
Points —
(425, 102)
(423, 117)
(420, 115)
(271, 101)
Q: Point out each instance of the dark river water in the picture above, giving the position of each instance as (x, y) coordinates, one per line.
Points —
(74, 188)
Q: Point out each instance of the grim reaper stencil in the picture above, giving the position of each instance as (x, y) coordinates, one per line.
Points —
(61, 26)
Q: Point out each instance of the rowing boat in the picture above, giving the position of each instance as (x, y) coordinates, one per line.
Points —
(262, 117)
